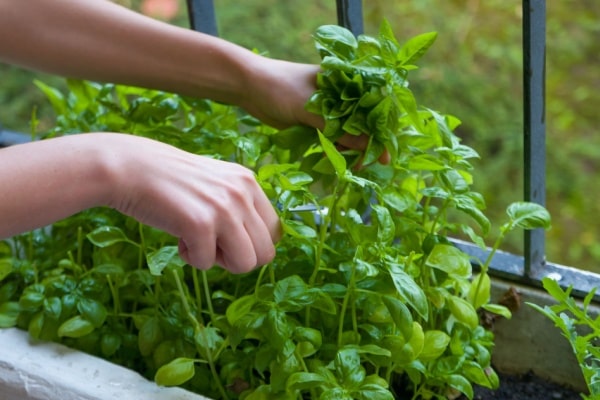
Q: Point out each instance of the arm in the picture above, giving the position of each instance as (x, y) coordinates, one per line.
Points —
(102, 41)
(217, 209)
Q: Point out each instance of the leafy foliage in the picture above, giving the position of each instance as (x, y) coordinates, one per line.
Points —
(366, 292)
(579, 327)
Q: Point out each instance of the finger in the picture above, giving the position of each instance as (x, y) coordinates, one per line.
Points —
(385, 157)
(269, 216)
(360, 143)
(354, 142)
(262, 239)
(236, 249)
(198, 246)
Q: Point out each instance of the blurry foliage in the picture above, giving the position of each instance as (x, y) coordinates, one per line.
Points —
(473, 72)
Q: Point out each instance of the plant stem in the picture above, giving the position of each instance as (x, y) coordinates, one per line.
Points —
(323, 228)
(142, 246)
(197, 293)
(115, 296)
(349, 294)
(211, 311)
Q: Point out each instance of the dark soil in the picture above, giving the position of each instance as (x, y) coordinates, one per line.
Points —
(526, 387)
(515, 387)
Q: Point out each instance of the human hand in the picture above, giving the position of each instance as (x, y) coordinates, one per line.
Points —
(277, 94)
(216, 208)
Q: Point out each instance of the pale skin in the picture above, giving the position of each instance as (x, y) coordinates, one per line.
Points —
(216, 209)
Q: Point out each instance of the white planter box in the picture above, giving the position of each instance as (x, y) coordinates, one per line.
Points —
(47, 371)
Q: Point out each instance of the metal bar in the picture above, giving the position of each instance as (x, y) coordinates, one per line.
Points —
(9, 138)
(202, 16)
(534, 77)
(350, 15)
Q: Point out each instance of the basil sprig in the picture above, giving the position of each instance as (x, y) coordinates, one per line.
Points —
(363, 86)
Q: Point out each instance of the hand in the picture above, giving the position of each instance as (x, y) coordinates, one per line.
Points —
(216, 208)
(278, 93)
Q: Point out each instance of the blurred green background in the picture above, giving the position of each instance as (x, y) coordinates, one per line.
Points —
(473, 71)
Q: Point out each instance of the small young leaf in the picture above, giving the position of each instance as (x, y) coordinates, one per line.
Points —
(528, 215)
(167, 256)
(415, 47)
(175, 373)
(498, 310)
(105, 236)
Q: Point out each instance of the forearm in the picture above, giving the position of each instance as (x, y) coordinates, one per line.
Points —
(99, 40)
(45, 181)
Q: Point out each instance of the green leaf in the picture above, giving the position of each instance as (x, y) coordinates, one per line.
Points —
(6, 267)
(461, 384)
(308, 340)
(167, 256)
(239, 308)
(348, 367)
(32, 298)
(479, 290)
(451, 260)
(498, 310)
(175, 373)
(336, 40)
(208, 340)
(149, 336)
(335, 393)
(463, 311)
(371, 391)
(400, 314)
(528, 215)
(277, 328)
(298, 229)
(382, 218)
(9, 313)
(107, 236)
(110, 343)
(476, 374)
(53, 307)
(408, 290)
(75, 327)
(435, 344)
(55, 97)
(337, 160)
(93, 311)
(304, 381)
(415, 48)
(554, 289)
